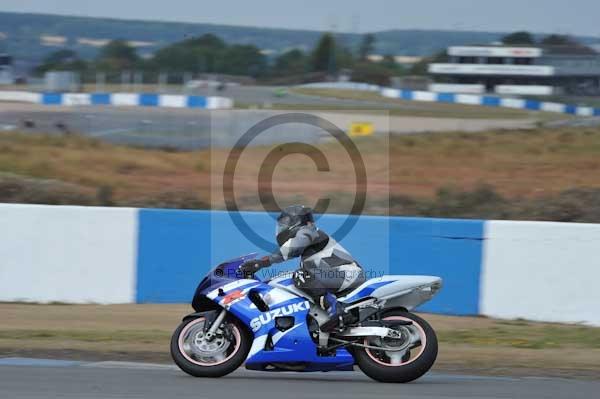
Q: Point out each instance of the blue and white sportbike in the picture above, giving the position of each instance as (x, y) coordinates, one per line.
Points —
(273, 326)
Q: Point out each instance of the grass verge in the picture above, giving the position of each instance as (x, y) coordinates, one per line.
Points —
(142, 332)
(526, 174)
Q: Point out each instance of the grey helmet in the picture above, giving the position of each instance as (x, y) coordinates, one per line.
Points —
(291, 219)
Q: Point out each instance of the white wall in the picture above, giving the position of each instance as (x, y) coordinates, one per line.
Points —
(20, 96)
(67, 254)
(541, 271)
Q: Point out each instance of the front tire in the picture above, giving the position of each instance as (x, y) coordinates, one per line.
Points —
(202, 358)
(400, 367)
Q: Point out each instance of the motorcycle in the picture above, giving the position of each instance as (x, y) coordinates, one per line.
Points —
(273, 326)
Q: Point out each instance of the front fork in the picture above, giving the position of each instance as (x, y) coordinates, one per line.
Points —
(216, 324)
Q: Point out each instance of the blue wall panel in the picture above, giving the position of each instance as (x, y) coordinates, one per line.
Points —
(451, 249)
(406, 94)
(491, 101)
(446, 97)
(52, 98)
(196, 102)
(172, 254)
(571, 109)
(533, 105)
(149, 99)
(100, 98)
(177, 248)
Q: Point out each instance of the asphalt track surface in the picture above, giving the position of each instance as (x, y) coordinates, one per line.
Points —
(264, 95)
(33, 379)
(189, 129)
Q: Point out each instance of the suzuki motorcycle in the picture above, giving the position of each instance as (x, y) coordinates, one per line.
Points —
(273, 326)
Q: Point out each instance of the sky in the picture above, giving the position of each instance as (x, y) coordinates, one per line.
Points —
(576, 17)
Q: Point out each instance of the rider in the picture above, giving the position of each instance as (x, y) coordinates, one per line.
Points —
(326, 268)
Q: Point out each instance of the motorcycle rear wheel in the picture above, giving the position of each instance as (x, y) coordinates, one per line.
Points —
(202, 358)
(400, 367)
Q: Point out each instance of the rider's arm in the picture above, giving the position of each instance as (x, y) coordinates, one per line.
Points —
(292, 248)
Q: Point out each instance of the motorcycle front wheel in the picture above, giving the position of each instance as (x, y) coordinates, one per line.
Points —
(216, 356)
(412, 354)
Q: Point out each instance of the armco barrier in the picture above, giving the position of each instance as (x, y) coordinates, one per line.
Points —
(540, 271)
(119, 99)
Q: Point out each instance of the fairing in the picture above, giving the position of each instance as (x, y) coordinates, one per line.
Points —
(294, 345)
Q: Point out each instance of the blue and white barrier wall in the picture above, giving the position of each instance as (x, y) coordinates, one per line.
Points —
(119, 99)
(182, 101)
(443, 93)
(490, 101)
(531, 270)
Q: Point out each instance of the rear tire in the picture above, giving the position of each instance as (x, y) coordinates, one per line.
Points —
(373, 362)
(198, 367)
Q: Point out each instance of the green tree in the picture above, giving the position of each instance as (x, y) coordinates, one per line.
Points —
(323, 56)
(343, 57)
(198, 55)
(520, 37)
(370, 72)
(390, 63)
(61, 56)
(243, 60)
(421, 67)
(61, 60)
(208, 41)
(367, 46)
(559, 40)
(117, 55)
(292, 62)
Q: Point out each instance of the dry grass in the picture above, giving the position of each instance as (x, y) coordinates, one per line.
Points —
(143, 332)
(88, 163)
(517, 164)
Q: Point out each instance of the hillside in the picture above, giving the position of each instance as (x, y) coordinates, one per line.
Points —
(30, 36)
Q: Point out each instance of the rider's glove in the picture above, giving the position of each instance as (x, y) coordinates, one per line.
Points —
(250, 267)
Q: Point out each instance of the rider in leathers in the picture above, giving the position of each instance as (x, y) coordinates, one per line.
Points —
(326, 268)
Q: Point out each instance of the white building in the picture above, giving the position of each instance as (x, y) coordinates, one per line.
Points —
(518, 70)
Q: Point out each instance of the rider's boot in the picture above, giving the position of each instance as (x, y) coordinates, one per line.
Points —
(335, 311)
